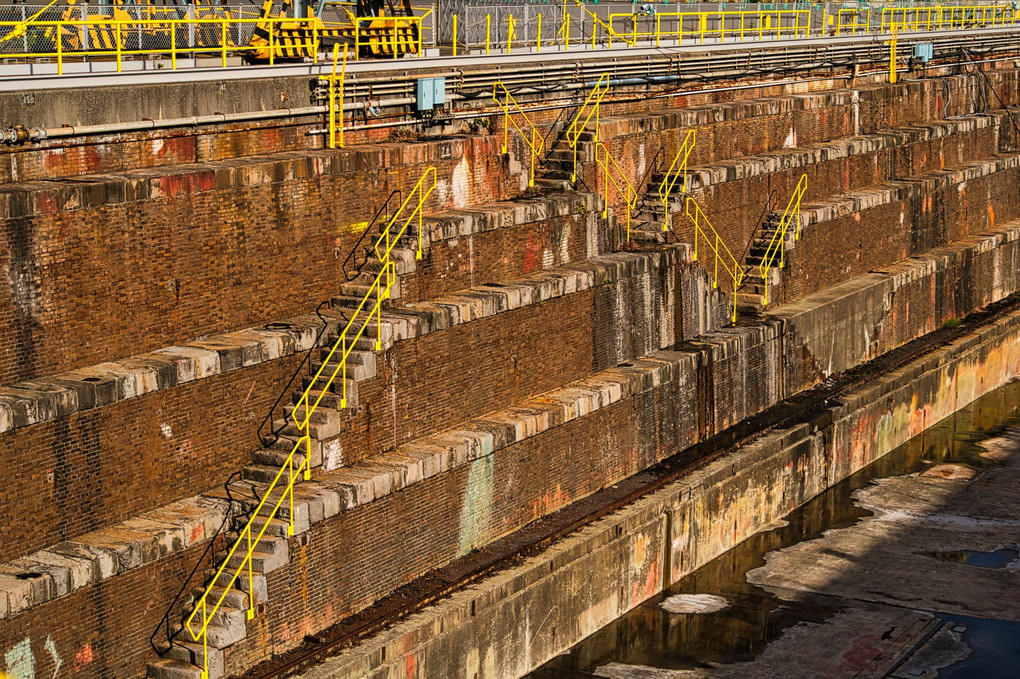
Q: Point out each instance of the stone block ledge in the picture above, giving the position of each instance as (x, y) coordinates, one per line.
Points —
(87, 560)
(45, 399)
(803, 157)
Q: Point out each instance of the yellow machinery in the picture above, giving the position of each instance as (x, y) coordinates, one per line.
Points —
(367, 29)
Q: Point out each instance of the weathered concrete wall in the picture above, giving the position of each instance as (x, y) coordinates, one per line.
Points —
(514, 621)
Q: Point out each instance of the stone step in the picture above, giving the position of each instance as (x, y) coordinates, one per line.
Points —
(320, 431)
(276, 527)
(225, 615)
(275, 457)
(316, 413)
(264, 473)
(554, 184)
(194, 654)
(168, 668)
(258, 584)
(337, 387)
(220, 637)
(330, 399)
(234, 598)
(357, 366)
(269, 554)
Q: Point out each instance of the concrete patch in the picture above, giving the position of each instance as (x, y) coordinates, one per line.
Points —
(694, 603)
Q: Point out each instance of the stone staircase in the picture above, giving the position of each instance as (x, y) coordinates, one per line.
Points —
(751, 295)
(228, 625)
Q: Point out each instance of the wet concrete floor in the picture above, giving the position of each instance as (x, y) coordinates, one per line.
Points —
(910, 568)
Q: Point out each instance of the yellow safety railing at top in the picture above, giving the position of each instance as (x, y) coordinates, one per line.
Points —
(777, 244)
(597, 22)
(703, 229)
(280, 492)
(589, 109)
(613, 176)
(722, 25)
(336, 100)
(118, 40)
(532, 137)
(677, 169)
(852, 21)
(938, 17)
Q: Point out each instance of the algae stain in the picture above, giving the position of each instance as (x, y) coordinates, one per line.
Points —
(20, 661)
(476, 511)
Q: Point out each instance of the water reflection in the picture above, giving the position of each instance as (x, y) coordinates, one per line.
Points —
(650, 636)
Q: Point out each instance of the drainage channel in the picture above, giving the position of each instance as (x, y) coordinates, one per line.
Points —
(908, 568)
(514, 549)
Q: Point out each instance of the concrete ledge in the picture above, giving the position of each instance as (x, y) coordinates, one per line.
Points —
(803, 157)
(592, 577)
(44, 575)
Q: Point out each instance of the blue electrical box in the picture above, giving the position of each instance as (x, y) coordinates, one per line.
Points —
(431, 93)
(924, 52)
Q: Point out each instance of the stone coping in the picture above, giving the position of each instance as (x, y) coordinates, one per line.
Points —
(45, 399)
(59, 570)
(803, 157)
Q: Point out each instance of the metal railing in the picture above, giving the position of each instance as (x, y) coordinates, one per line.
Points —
(722, 25)
(939, 18)
(614, 176)
(777, 245)
(532, 138)
(677, 169)
(336, 99)
(279, 494)
(588, 110)
(249, 538)
(361, 317)
(703, 229)
(119, 40)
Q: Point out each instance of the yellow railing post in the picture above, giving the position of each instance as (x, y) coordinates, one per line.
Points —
(892, 55)
(677, 169)
(578, 126)
(488, 32)
(532, 138)
(116, 37)
(454, 35)
(777, 245)
(223, 41)
(538, 37)
(624, 187)
(511, 32)
(173, 45)
(718, 247)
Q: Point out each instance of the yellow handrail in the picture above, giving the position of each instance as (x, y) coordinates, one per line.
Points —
(336, 100)
(677, 169)
(777, 245)
(359, 318)
(596, 22)
(249, 538)
(620, 182)
(591, 105)
(719, 249)
(202, 606)
(533, 139)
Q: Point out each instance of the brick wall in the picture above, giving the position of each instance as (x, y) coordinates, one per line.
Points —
(109, 464)
(102, 631)
(116, 266)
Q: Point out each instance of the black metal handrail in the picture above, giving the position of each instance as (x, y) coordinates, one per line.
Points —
(164, 623)
(274, 434)
(770, 201)
(273, 437)
(352, 257)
